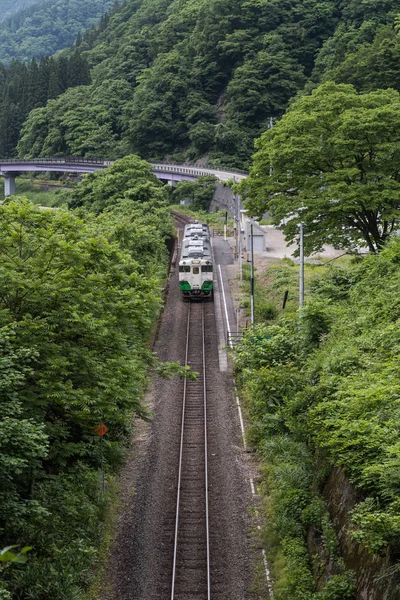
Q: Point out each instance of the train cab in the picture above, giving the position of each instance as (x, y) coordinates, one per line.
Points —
(196, 267)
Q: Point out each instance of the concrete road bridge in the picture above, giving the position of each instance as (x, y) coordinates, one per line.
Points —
(10, 168)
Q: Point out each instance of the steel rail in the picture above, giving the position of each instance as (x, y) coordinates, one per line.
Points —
(178, 496)
(205, 456)
(181, 450)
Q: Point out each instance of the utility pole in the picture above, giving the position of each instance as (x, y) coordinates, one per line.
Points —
(240, 241)
(270, 126)
(235, 220)
(251, 276)
(240, 256)
(301, 293)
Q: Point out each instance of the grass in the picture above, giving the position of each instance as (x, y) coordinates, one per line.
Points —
(33, 190)
(272, 281)
(99, 584)
(214, 219)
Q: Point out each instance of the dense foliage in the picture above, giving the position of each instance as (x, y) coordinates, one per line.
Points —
(7, 7)
(79, 295)
(200, 78)
(332, 163)
(24, 87)
(324, 393)
(197, 193)
(43, 28)
(205, 79)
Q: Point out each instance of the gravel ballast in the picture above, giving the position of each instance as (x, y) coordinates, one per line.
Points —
(141, 552)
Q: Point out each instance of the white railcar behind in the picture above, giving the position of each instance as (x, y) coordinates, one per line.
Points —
(196, 263)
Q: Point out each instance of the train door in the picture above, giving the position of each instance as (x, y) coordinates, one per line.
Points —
(196, 276)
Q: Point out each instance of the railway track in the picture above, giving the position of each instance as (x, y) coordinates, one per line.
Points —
(180, 219)
(191, 556)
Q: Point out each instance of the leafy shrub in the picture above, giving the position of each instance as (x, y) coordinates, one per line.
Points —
(339, 587)
(79, 298)
(298, 580)
(329, 389)
(265, 311)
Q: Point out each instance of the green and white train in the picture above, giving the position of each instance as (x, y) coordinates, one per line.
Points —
(196, 263)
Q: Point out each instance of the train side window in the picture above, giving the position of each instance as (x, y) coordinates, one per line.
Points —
(196, 270)
(206, 269)
(184, 269)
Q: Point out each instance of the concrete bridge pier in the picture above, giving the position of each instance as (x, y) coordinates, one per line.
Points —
(9, 183)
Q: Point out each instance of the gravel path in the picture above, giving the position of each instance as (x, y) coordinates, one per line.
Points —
(141, 553)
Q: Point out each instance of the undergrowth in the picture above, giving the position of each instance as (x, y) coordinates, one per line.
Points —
(322, 391)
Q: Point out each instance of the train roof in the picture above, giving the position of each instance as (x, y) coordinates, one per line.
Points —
(196, 235)
(197, 227)
(200, 248)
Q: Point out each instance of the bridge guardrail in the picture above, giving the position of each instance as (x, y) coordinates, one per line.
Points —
(61, 159)
(190, 169)
(98, 163)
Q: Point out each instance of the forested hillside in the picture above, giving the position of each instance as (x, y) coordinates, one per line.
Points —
(43, 28)
(7, 7)
(25, 87)
(203, 79)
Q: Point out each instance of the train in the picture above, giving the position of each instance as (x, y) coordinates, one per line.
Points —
(196, 262)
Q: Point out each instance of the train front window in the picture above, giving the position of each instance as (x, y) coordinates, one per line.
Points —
(184, 269)
(206, 269)
(196, 270)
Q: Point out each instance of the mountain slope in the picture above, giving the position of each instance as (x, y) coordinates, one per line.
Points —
(43, 28)
(203, 79)
(7, 7)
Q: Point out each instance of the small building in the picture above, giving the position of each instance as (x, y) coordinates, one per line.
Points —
(259, 236)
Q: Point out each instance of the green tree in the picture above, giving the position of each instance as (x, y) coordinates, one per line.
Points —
(332, 163)
(129, 178)
(263, 85)
(78, 72)
(54, 85)
(199, 193)
(85, 122)
(352, 57)
(77, 301)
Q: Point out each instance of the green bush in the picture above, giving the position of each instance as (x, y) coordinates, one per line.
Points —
(80, 295)
(329, 383)
(339, 587)
(265, 311)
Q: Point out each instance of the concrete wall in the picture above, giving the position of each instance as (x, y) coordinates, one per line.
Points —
(223, 199)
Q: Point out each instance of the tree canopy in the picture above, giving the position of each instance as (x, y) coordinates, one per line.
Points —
(332, 163)
(199, 193)
(204, 77)
(79, 296)
(44, 27)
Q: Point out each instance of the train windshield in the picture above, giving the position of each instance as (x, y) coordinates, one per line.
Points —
(184, 269)
(206, 268)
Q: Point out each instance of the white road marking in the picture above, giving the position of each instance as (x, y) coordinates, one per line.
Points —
(241, 419)
(222, 353)
(228, 327)
(252, 486)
